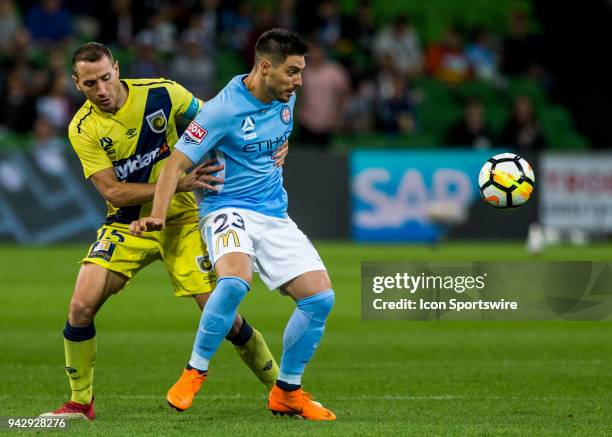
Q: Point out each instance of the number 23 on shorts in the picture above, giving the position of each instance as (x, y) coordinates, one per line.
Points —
(222, 225)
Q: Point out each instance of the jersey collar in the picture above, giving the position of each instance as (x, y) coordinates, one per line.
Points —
(250, 97)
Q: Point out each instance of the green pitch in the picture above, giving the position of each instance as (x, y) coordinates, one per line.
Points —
(400, 378)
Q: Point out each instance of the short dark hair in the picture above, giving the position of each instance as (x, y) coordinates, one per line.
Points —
(278, 44)
(91, 52)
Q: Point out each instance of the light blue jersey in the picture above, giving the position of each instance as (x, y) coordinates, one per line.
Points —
(242, 133)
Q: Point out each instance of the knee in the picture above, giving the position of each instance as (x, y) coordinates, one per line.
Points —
(321, 282)
(80, 313)
(220, 312)
(327, 302)
(319, 304)
(327, 284)
(233, 289)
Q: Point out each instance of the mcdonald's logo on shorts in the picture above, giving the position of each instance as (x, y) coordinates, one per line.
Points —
(224, 239)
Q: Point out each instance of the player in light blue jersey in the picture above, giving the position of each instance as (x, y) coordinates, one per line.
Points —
(244, 221)
(241, 132)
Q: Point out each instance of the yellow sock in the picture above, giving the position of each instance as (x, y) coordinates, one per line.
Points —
(256, 354)
(80, 360)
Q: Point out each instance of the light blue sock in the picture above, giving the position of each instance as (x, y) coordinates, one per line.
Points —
(217, 318)
(303, 334)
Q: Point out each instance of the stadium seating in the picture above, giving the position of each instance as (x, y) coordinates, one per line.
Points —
(442, 104)
(433, 17)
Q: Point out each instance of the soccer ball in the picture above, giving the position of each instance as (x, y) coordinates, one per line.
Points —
(506, 181)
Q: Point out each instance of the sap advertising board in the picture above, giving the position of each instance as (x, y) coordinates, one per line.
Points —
(393, 191)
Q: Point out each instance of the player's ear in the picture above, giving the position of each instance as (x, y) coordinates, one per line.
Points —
(116, 67)
(76, 83)
(265, 66)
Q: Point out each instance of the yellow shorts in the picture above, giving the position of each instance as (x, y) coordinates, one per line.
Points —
(180, 248)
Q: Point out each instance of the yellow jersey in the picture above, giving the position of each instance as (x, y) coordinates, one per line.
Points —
(134, 141)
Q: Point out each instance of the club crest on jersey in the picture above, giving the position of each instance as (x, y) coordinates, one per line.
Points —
(157, 121)
(285, 114)
(194, 133)
(248, 128)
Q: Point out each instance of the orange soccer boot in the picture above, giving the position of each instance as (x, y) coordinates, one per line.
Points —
(297, 403)
(181, 394)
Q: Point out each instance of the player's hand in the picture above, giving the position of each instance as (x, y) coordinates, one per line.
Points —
(280, 154)
(146, 224)
(201, 177)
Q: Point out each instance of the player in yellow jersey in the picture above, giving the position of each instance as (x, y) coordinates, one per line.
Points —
(122, 134)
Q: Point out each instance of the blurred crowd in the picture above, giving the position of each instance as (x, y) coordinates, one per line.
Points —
(362, 76)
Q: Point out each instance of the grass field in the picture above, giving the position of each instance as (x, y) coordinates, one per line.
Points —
(397, 378)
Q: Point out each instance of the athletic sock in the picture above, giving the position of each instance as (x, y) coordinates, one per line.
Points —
(244, 334)
(253, 350)
(80, 350)
(287, 387)
(217, 318)
(201, 372)
(302, 336)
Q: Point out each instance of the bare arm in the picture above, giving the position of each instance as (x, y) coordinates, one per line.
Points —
(167, 182)
(120, 194)
(166, 186)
